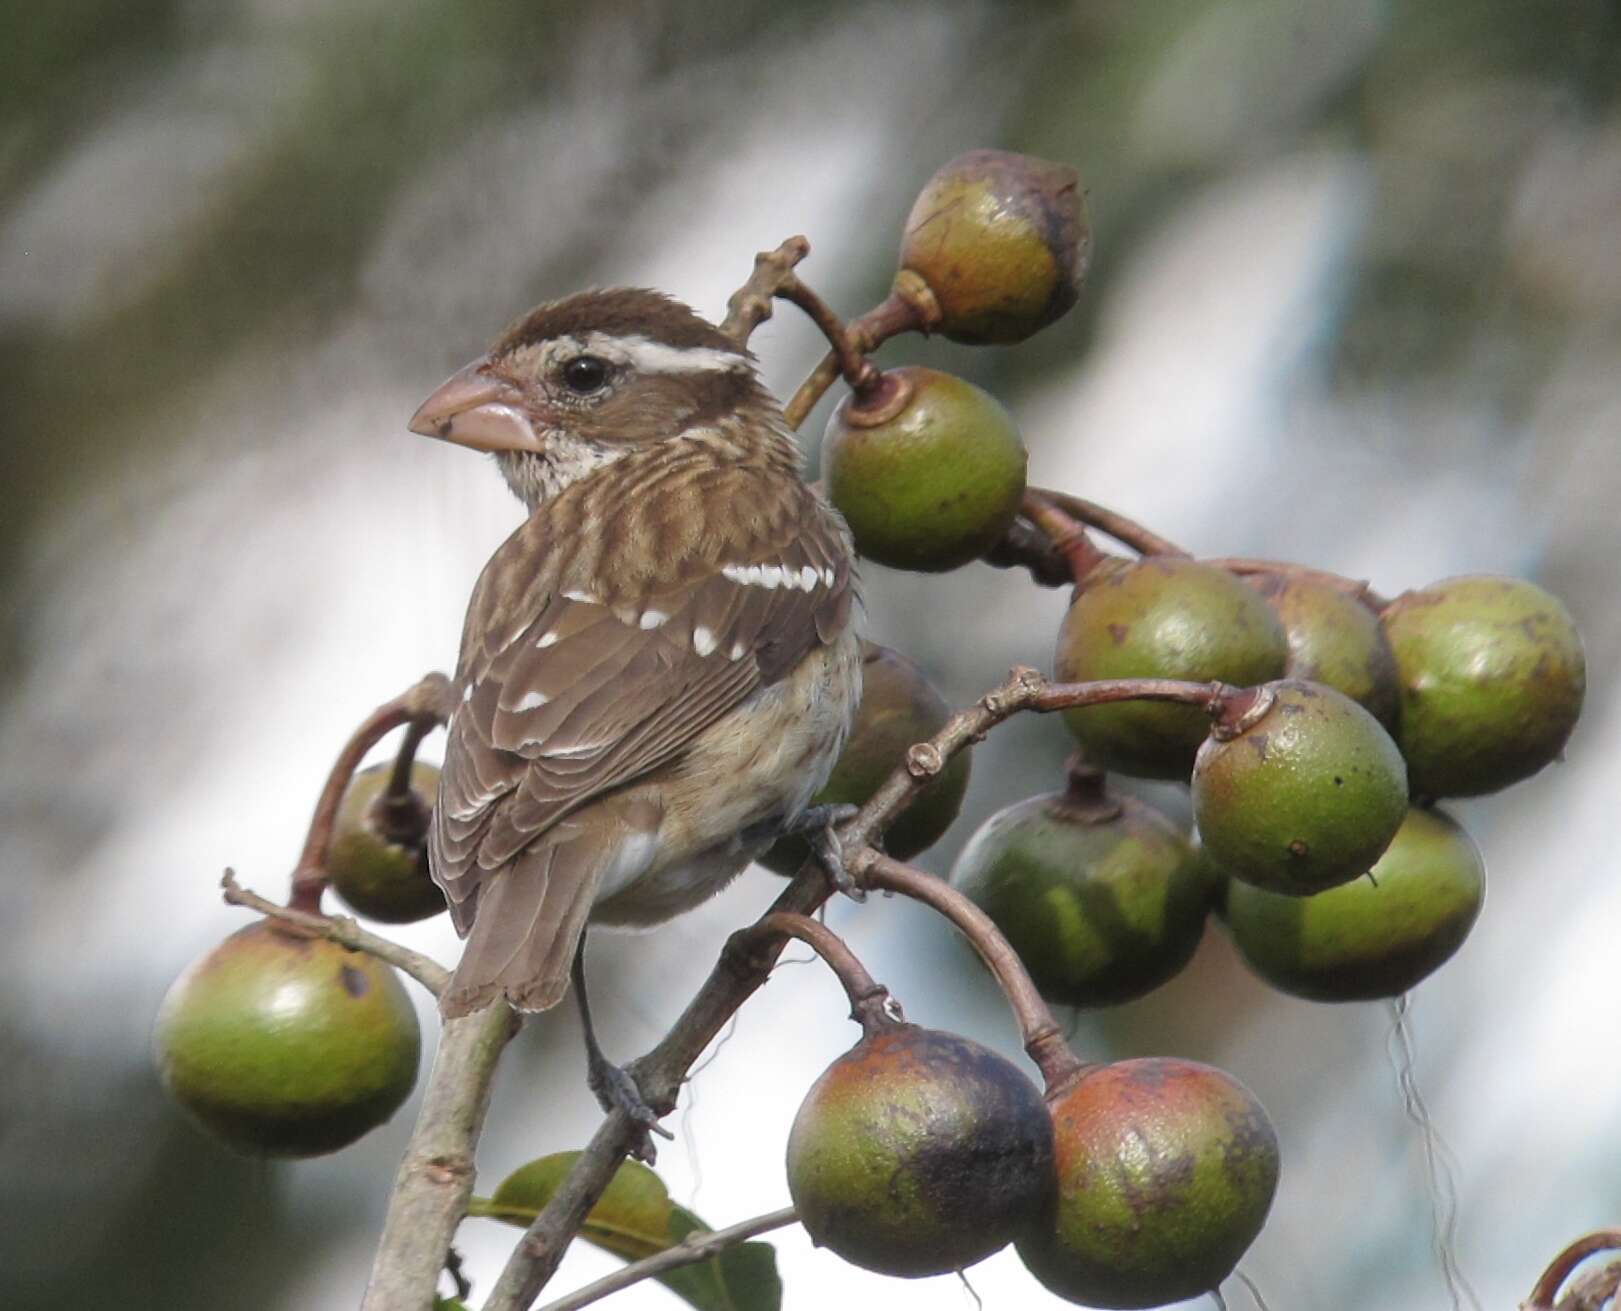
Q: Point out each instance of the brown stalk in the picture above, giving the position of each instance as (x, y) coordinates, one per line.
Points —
(1126, 531)
(428, 701)
(1067, 536)
(1043, 1038)
(1559, 1269)
(343, 931)
(751, 304)
(889, 318)
(870, 1004)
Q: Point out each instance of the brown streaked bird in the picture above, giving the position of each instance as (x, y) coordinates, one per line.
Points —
(658, 668)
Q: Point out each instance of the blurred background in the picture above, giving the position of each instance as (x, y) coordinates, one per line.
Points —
(1356, 301)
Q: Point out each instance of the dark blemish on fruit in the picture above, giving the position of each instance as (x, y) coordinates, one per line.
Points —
(1338, 781)
(1119, 632)
(354, 982)
(1299, 849)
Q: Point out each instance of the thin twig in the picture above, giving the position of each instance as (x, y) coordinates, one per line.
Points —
(428, 700)
(887, 319)
(689, 1251)
(751, 304)
(857, 369)
(869, 1000)
(1547, 1287)
(1043, 1038)
(343, 931)
(1068, 537)
(1124, 530)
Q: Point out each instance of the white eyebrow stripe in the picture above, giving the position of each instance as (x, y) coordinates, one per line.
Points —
(649, 356)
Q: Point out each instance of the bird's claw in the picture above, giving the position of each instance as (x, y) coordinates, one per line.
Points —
(615, 1090)
(818, 825)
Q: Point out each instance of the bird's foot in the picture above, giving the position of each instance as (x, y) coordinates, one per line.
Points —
(818, 825)
(615, 1089)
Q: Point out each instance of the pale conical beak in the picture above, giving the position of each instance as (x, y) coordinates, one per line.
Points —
(473, 407)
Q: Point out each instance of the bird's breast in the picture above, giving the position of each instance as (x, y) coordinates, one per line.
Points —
(759, 765)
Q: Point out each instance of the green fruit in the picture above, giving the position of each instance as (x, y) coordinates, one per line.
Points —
(1334, 639)
(1373, 937)
(918, 1152)
(1166, 1171)
(1302, 791)
(899, 708)
(928, 470)
(1162, 617)
(1103, 898)
(378, 862)
(1492, 678)
(286, 1045)
(1001, 243)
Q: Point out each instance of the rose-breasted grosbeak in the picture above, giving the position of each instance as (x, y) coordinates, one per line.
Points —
(659, 667)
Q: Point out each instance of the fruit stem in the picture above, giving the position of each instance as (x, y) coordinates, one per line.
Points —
(1086, 793)
(344, 931)
(889, 318)
(856, 368)
(1126, 531)
(1067, 536)
(870, 1004)
(1356, 588)
(1043, 1039)
(1547, 1287)
(427, 702)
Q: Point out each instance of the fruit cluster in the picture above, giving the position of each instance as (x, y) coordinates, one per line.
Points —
(1316, 726)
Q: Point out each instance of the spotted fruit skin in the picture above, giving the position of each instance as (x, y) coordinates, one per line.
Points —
(382, 879)
(285, 1045)
(931, 485)
(1334, 639)
(1102, 906)
(1492, 678)
(1162, 618)
(919, 1152)
(1372, 937)
(899, 707)
(1166, 1172)
(1306, 797)
(1002, 243)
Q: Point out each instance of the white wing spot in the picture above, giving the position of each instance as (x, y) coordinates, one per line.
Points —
(653, 618)
(808, 577)
(703, 641)
(575, 594)
(530, 700)
(770, 576)
(829, 577)
(739, 649)
(546, 639)
(467, 694)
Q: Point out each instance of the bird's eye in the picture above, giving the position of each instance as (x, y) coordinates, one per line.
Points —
(585, 374)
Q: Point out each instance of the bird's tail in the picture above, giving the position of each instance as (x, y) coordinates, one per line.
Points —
(528, 924)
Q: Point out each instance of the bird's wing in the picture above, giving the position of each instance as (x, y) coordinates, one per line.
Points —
(572, 688)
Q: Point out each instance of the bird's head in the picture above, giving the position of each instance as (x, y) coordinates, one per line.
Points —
(580, 382)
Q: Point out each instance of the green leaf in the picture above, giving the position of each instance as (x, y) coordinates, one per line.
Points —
(635, 1218)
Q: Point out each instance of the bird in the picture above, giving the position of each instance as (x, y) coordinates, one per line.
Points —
(660, 665)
